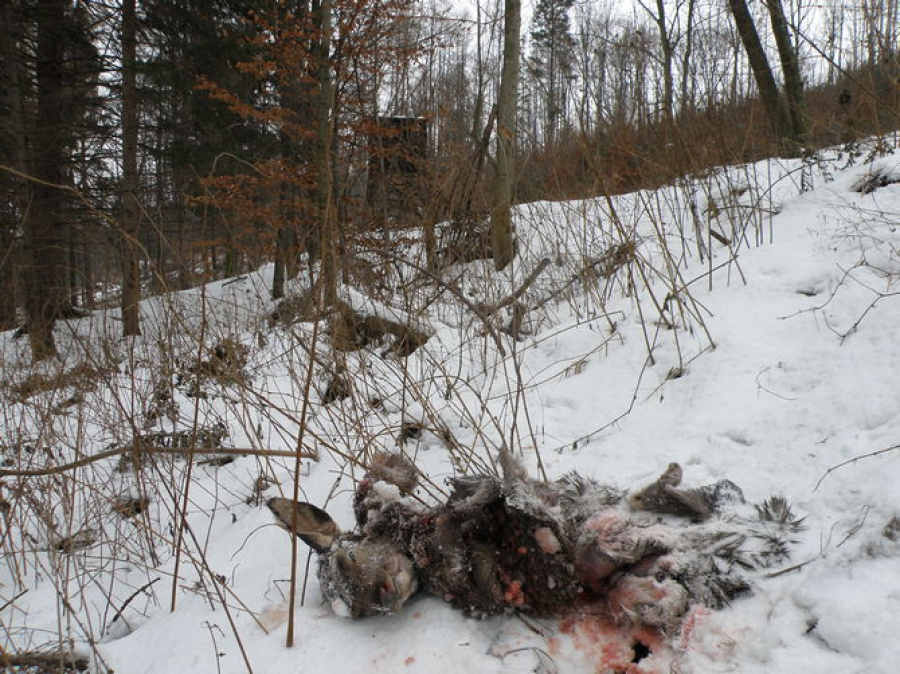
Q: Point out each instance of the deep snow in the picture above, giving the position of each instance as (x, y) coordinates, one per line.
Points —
(796, 374)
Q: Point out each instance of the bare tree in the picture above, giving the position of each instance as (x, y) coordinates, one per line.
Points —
(131, 212)
(762, 71)
(502, 243)
(667, 44)
(322, 107)
(550, 63)
(687, 54)
(295, 92)
(790, 66)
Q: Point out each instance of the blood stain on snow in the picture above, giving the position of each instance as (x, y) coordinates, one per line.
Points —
(695, 618)
(273, 616)
(609, 647)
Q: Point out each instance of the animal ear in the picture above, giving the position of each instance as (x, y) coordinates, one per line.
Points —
(311, 524)
(512, 469)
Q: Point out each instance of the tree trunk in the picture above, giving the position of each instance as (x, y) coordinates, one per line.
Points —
(790, 66)
(322, 149)
(88, 301)
(762, 71)
(687, 101)
(131, 213)
(667, 47)
(45, 241)
(7, 277)
(279, 270)
(295, 228)
(159, 238)
(502, 243)
(12, 153)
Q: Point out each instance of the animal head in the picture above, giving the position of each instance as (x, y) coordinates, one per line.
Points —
(359, 576)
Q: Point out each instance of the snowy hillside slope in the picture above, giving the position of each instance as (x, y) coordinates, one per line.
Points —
(766, 353)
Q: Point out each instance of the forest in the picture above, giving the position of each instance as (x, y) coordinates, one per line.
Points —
(162, 145)
(544, 337)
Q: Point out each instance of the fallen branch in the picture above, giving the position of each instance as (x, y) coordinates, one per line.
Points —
(130, 599)
(519, 310)
(84, 461)
(854, 460)
(606, 265)
(853, 328)
(363, 320)
(488, 309)
(45, 662)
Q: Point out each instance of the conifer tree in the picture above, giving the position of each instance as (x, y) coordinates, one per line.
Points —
(551, 60)
(54, 105)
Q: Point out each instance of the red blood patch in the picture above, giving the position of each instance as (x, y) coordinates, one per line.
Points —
(514, 595)
(609, 647)
(694, 619)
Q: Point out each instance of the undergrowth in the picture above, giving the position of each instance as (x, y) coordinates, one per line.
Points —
(122, 459)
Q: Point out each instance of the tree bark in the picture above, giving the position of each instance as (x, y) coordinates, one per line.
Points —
(667, 47)
(12, 152)
(45, 241)
(322, 150)
(278, 275)
(790, 66)
(502, 243)
(686, 100)
(762, 71)
(131, 213)
(296, 228)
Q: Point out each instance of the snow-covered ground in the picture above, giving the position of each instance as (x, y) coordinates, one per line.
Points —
(768, 362)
